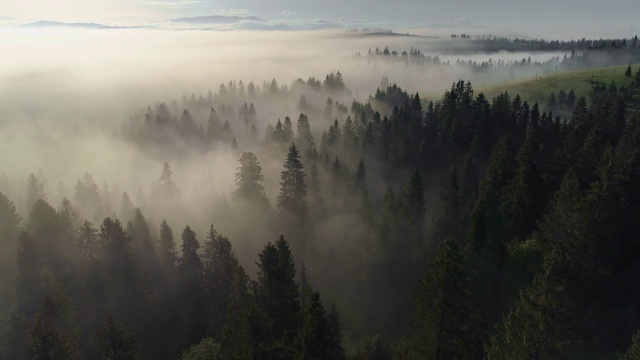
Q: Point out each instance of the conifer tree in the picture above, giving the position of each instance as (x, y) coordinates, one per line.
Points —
(317, 334)
(388, 223)
(222, 276)
(522, 196)
(54, 239)
(213, 126)
(88, 198)
(277, 298)
(46, 342)
(127, 292)
(293, 190)
(167, 247)
(88, 241)
(287, 131)
(115, 342)
(143, 246)
(9, 225)
(360, 183)
(413, 209)
(29, 265)
(35, 191)
(315, 193)
(304, 137)
(305, 289)
(190, 265)
(191, 296)
(70, 216)
(348, 131)
(207, 349)
(469, 176)
(248, 180)
(335, 349)
(443, 318)
(165, 188)
(448, 219)
(485, 214)
(537, 326)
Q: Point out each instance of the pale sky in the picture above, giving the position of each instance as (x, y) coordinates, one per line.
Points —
(596, 16)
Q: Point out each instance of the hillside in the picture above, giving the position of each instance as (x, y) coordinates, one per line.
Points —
(537, 90)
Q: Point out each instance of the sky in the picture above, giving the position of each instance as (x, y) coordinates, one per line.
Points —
(597, 17)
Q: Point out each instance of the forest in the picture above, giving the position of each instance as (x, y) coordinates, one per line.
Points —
(570, 55)
(323, 226)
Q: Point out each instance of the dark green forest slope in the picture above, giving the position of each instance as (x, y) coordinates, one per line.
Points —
(465, 228)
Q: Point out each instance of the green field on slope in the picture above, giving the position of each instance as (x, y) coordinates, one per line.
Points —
(538, 90)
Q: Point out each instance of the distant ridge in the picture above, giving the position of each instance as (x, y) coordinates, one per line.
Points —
(46, 23)
(217, 19)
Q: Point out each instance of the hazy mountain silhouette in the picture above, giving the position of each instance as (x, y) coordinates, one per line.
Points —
(217, 19)
(47, 23)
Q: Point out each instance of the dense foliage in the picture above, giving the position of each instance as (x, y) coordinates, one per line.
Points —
(468, 228)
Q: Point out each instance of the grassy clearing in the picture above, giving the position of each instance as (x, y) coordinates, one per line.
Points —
(537, 90)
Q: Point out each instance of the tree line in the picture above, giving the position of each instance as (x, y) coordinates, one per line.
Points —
(456, 228)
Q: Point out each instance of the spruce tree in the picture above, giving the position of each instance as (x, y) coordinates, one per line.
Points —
(9, 225)
(360, 183)
(443, 318)
(315, 192)
(448, 218)
(293, 190)
(126, 207)
(165, 189)
(191, 298)
(335, 349)
(88, 241)
(207, 349)
(213, 126)
(287, 131)
(53, 237)
(248, 180)
(46, 342)
(116, 342)
(143, 246)
(522, 197)
(70, 216)
(35, 191)
(317, 334)
(538, 325)
(128, 294)
(221, 273)
(304, 137)
(167, 247)
(278, 300)
(29, 265)
(89, 199)
(414, 210)
(486, 214)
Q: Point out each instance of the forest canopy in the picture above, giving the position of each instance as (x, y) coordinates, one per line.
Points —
(300, 220)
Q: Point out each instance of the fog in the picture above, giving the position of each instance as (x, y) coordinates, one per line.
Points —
(75, 101)
(57, 81)
(66, 93)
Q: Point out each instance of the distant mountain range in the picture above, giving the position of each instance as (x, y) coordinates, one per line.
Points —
(217, 19)
(199, 20)
(214, 22)
(45, 23)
